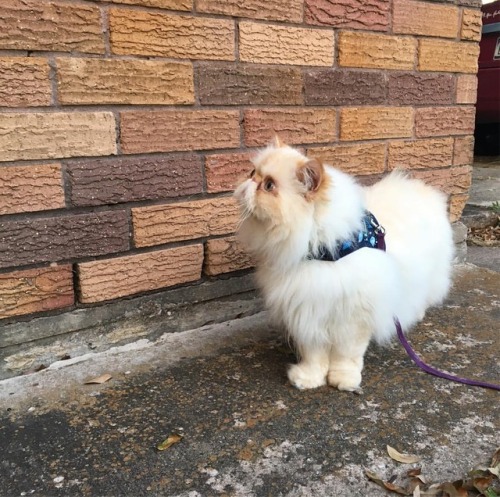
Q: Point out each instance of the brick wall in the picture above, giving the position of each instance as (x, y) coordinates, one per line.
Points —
(124, 125)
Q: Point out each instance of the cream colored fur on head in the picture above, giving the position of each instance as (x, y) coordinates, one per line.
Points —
(290, 207)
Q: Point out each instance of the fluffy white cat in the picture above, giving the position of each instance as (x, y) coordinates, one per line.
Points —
(292, 208)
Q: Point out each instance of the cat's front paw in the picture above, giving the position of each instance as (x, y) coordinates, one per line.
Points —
(349, 380)
(304, 377)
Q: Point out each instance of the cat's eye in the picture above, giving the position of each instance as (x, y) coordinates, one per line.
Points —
(269, 185)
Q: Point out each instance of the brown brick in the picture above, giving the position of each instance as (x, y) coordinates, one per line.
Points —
(355, 14)
(114, 278)
(448, 56)
(25, 136)
(367, 158)
(452, 181)
(294, 126)
(35, 290)
(456, 206)
(225, 171)
(249, 84)
(444, 121)
(369, 123)
(112, 181)
(24, 82)
(421, 154)
(466, 89)
(376, 51)
(424, 18)
(134, 32)
(275, 44)
(160, 4)
(167, 131)
(109, 81)
(269, 10)
(224, 255)
(62, 238)
(344, 87)
(463, 152)
(184, 221)
(421, 89)
(30, 188)
(47, 25)
(471, 25)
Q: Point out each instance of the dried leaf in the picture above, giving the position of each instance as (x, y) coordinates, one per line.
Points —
(99, 379)
(416, 491)
(402, 458)
(414, 472)
(450, 490)
(481, 484)
(171, 440)
(495, 461)
(385, 484)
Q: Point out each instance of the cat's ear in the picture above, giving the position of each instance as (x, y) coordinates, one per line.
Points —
(311, 174)
(277, 142)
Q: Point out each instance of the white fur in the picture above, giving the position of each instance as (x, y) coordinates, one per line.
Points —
(333, 309)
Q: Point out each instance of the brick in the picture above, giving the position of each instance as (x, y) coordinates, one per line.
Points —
(463, 151)
(364, 159)
(160, 4)
(294, 126)
(466, 89)
(355, 14)
(68, 237)
(273, 44)
(369, 123)
(448, 56)
(131, 274)
(456, 206)
(452, 181)
(109, 81)
(376, 51)
(224, 255)
(112, 181)
(424, 18)
(167, 131)
(471, 25)
(421, 154)
(444, 121)
(269, 10)
(184, 221)
(335, 87)
(35, 290)
(225, 171)
(25, 136)
(134, 32)
(248, 84)
(24, 82)
(421, 89)
(55, 26)
(30, 188)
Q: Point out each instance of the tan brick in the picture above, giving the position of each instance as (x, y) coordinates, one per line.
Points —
(466, 89)
(452, 181)
(368, 158)
(134, 32)
(463, 152)
(30, 188)
(184, 221)
(56, 135)
(424, 18)
(456, 205)
(273, 44)
(448, 56)
(122, 276)
(294, 126)
(420, 154)
(444, 121)
(160, 4)
(24, 82)
(471, 25)
(165, 131)
(369, 123)
(269, 10)
(224, 255)
(376, 51)
(50, 25)
(225, 171)
(35, 290)
(101, 81)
